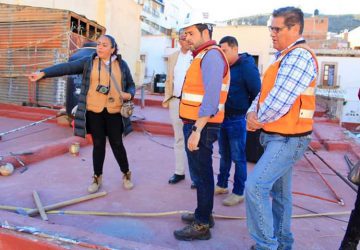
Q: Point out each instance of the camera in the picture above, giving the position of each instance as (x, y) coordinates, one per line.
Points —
(102, 89)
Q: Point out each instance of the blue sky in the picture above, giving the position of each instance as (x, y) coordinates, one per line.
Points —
(226, 9)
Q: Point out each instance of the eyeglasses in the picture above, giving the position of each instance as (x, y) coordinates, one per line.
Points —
(276, 29)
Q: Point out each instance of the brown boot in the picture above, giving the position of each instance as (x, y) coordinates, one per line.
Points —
(127, 181)
(189, 218)
(194, 231)
(95, 185)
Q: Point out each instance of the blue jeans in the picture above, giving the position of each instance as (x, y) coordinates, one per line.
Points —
(232, 143)
(200, 164)
(269, 223)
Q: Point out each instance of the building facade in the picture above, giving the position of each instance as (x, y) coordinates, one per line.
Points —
(115, 15)
(162, 17)
(338, 85)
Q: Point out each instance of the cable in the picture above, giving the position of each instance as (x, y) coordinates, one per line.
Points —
(312, 211)
(147, 133)
(160, 214)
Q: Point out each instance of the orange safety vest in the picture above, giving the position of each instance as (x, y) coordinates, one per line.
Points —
(299, 119)
(193, 90)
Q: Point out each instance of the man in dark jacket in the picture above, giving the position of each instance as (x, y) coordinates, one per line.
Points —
(244, 86)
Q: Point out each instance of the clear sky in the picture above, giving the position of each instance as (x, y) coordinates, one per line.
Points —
(227, 9)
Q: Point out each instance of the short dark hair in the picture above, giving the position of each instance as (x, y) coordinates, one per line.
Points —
(113, 44)
(203, 26)
(230, 40)
(292, 16)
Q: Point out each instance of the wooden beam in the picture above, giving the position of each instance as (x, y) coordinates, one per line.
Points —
(67, 203)
(39, 206)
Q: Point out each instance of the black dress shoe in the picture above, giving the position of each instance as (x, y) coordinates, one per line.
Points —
(193, 185)
(176, 178)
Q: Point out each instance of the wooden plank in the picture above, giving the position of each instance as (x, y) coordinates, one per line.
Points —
(39, 206)
(67, 203)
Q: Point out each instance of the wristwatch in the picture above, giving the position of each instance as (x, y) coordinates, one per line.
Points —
(195, 129)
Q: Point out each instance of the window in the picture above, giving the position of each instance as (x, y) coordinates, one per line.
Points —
(92, 32)
(83, 30)
(74, 24)
(329, 75)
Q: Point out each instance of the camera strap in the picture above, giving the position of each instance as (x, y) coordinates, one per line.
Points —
(115, 82)
(107, 69)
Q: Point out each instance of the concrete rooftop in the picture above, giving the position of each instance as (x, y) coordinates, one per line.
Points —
(58, 176)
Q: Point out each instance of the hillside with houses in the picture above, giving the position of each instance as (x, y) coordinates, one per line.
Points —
(337, 23)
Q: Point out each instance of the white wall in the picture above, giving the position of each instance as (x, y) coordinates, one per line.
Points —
(154, 47)
(254, 40)
(348, 72)
(354, 37)
(349, 82)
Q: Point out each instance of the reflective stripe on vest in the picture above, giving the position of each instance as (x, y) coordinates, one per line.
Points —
(193, 90)
(199, 98)
(306, 113)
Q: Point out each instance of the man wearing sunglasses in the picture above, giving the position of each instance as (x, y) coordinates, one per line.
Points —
(283, 111)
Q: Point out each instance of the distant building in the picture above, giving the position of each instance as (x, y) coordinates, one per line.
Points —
(317, 36)
(316, 28)
(338, 85)
(162, 16)
(34, 38)
(160, 21)
(120, 17)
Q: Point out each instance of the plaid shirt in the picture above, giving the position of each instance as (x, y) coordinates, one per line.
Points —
(297, 70)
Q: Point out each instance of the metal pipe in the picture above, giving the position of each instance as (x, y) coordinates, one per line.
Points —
(31, 124)
(142, 104)
(332, 169)
(316, 197)
(340, 200)
(349, 163)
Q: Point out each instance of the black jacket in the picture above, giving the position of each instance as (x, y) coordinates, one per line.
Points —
(83, 66)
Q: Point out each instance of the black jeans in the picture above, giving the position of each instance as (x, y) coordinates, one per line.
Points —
(101, 125)
(352, 235)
